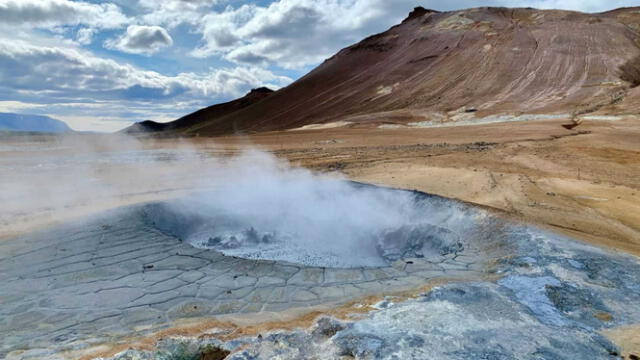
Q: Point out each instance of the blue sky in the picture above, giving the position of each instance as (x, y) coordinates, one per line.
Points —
(101, 65)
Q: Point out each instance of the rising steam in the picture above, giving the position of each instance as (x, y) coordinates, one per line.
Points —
(251, 204)
(262, 208)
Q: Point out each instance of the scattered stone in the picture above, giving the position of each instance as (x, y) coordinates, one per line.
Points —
(603, 316)
(327, 327)
(211, 352)
(417, 242)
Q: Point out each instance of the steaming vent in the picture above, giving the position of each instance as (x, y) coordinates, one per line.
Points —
(337, 224)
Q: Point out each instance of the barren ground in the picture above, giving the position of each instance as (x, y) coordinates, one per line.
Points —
(581, 182)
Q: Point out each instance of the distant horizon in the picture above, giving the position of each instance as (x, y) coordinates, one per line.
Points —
(103, 65)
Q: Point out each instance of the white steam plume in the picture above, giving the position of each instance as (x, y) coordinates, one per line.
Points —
(251, 205)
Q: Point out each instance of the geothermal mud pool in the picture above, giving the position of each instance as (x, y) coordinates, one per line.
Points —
(338, 225)
(515, 291)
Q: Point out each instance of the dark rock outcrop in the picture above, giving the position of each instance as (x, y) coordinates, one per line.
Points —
(417, 12)
(417, 241)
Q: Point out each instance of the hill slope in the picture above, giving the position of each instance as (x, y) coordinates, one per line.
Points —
(207, 115)
(484, 64)
(31, 123)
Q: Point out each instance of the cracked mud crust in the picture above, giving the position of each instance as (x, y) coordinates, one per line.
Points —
(115, 276)
(550, 285)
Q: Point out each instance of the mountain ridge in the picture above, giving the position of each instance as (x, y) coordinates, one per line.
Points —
(461, 66)
(31, 123)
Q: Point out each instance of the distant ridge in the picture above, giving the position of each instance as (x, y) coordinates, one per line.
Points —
(32, 123)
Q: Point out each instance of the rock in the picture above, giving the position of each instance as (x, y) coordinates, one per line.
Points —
(578, 304)
(251, 235)
(359, 345)
(214, 241)
(211, 352)
(417, 241)
(327, 327)
(418, 12)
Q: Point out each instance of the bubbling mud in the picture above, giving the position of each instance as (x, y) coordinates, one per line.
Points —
(381, 227)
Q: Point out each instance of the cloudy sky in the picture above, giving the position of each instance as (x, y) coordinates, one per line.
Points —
(100, 65)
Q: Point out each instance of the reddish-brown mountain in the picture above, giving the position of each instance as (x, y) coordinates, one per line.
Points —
(468, 65)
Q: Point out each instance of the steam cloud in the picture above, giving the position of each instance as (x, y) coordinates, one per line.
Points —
(262, 208)
(252, 205)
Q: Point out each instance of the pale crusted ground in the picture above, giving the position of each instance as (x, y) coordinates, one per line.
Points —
(583, 182)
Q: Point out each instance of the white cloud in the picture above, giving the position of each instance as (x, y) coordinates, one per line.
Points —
(76, 84)
(139, 39)
(62, 71)
(298, 33)
(52, 13)
(84, 36)
(295, 33)
(174, 12)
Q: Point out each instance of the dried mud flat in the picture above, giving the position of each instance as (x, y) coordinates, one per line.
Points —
(511, 303)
